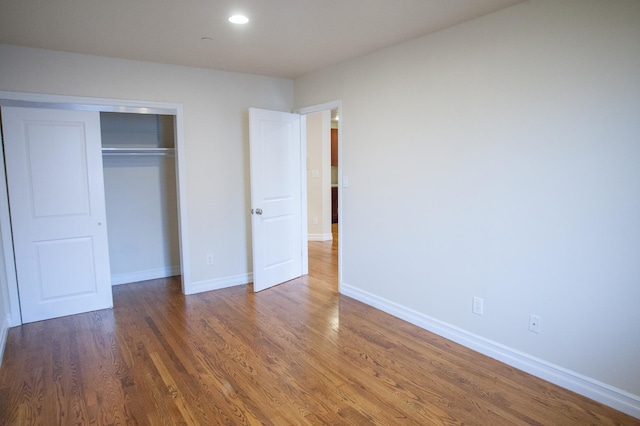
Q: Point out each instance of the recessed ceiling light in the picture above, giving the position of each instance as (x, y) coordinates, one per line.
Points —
(238, 19)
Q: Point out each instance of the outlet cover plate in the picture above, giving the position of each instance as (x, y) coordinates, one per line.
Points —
(478, 306)
(534, 323)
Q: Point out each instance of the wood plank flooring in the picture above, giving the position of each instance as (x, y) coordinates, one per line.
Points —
(296, 354)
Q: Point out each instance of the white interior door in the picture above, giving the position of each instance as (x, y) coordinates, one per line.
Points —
(56, 196)
(276, 197)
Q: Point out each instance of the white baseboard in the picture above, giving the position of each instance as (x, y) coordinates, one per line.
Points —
(4, 329)
(320, 237)
(220, 283)
(149, 274)
(585, 386)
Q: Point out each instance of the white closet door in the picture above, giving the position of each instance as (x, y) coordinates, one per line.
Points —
(56, 196)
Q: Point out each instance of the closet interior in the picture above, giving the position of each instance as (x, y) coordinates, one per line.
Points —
(141, 197)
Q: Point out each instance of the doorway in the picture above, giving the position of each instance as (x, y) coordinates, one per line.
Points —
(324, 173)
(138, 158)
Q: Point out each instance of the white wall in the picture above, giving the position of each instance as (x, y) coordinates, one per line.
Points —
(318, 126)
(215, 130)
(501, 159)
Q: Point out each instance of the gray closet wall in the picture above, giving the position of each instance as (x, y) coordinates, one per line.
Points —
(140, 192)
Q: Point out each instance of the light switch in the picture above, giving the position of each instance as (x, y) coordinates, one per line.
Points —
(345, 181)
(315, 173)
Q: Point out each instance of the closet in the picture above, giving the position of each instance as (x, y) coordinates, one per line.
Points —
(140, 194)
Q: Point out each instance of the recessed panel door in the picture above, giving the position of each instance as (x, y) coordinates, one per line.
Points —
(276, 194)
(56, 197)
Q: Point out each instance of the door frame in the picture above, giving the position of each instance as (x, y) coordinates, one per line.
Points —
(35, 100)
(331, 105)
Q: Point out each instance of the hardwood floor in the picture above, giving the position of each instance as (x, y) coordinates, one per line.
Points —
(296, 354)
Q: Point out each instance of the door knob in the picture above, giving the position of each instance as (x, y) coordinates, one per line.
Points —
(258, 211)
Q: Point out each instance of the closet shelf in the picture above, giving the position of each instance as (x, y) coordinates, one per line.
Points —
(138, 151)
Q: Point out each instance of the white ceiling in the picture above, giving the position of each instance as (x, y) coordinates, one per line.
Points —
(285, 38)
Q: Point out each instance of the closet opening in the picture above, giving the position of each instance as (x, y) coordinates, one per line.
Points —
(138, 152)
(156, 149)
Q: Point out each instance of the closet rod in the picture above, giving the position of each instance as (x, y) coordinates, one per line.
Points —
(113, 154)
(138, 151)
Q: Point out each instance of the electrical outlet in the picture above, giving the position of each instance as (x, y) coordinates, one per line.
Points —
(534, 323)
(478, 306)
(209, 259)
